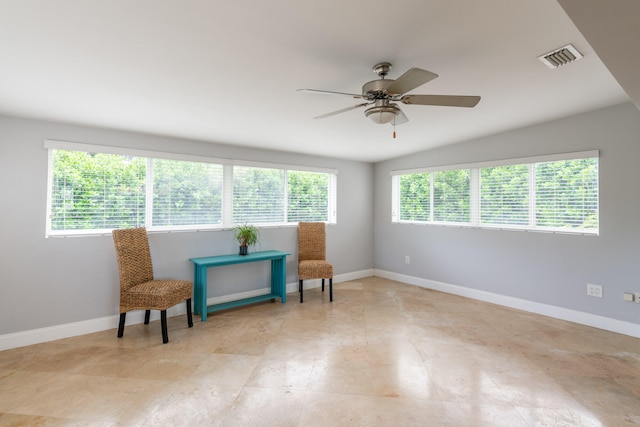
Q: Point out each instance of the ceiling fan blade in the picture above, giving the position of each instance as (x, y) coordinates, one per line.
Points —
(328, 92)
(410, 80)
(344, 110)
(441, 100)
(400, 118)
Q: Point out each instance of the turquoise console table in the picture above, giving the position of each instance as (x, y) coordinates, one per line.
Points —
(201, 265)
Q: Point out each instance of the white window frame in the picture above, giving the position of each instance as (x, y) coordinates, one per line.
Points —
(227, 187)
(474, 195)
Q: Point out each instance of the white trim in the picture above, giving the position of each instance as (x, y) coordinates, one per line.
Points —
(316, 283)
(108, 149)
(287, 167)
(124, 151)
(47, 225)
(227, 190)
(502, 162)
(475, 189)
(68, 330)
(580, 317)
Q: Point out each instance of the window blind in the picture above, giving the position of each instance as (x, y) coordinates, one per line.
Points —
(567, 194)
(93, 189)
(415, 197)
(186, 193)
(451, 195)
(552, 193)
(307, 196)
(258, 195)
(504, 195)
(96, 191)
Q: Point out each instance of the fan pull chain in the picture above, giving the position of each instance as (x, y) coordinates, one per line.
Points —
(394, 127)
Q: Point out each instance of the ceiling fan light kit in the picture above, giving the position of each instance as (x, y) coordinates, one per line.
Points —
(382, 114)
(382, 94)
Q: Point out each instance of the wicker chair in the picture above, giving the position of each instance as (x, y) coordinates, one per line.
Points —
(312, 261)
(138, 289)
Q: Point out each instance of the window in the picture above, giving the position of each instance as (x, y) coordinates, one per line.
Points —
(549, 193)
(567, 194)
(307, 196)
(504, 195)
(258, 194)
(186, 193)
(415, 197)
(94, 189)
(451, 195)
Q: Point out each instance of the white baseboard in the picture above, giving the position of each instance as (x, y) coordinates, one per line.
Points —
(588, 319)
(316, 283)
(68, 330)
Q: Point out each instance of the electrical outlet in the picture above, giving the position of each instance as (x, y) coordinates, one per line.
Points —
(594, 290)
(407, 259)
(638, 297)
(628, 296)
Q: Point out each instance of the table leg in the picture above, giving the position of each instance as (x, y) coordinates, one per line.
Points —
(203, 295)
(283, 278)
(196, 290)
(200, 292)
(278, 278)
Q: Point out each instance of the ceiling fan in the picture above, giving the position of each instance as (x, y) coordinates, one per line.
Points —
(381, 95)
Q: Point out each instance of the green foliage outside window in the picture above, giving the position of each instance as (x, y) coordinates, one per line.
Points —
(186, 193)
(258, 195)
(451, 195)
(415, 193)
(97, 191)
(308, 198)
(563, 194)
(504, 195)
(567, 193)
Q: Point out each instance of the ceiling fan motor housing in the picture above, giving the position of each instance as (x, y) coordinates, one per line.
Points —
(377, 89)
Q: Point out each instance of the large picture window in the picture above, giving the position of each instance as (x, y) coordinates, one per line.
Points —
(550, 193)
(95, 189)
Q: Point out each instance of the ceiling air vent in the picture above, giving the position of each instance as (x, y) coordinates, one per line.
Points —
(561, 56)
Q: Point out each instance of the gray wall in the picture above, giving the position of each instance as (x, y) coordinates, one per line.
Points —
(542, 267)
(46, 282)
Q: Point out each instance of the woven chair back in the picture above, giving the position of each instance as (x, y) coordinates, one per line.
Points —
(134, 257)
(311, 241)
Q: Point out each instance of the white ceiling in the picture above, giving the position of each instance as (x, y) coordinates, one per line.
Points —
(228, 72)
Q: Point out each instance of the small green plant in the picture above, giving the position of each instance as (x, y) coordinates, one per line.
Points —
(246, 235)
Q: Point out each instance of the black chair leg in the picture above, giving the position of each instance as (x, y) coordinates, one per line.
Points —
(331, 289)
(300, 290)
(147, 313)
(322, 285)
(121, 325)
(163, 321)
(189, 315)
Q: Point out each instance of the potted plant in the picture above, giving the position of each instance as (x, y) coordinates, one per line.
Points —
(246, 235)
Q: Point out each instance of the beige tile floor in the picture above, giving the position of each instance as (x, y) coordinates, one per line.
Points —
(382, 354)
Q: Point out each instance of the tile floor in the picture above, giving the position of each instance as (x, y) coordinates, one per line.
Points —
(382, 354)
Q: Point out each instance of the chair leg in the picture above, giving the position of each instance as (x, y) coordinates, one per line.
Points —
(147, 313)
(189, 315)
(300, 290)
(322, 285)
(163, 321)
(121, 325)
(331, 289)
